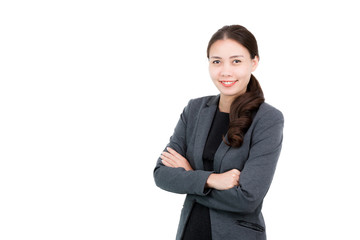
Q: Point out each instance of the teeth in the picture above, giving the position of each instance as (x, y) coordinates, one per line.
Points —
(228, 83)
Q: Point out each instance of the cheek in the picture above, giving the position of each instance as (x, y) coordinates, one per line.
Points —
(244, 73)
(213, 73)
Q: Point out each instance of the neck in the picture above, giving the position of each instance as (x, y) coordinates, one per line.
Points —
(225, 103)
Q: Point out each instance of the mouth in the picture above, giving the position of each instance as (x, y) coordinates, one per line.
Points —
(228, 83)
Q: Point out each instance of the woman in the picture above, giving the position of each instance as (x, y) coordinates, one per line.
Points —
(224, 149)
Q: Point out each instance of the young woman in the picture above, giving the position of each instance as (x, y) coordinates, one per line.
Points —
(224, 149)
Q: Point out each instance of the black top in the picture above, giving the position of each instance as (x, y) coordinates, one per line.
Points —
(218, 129)
(198, 226)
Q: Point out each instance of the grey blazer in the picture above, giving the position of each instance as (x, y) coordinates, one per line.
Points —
(234, 213)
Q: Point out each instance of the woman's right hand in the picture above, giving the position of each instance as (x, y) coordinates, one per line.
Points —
(223, 181)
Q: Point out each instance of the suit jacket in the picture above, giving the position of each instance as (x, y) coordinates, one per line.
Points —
(234, 213)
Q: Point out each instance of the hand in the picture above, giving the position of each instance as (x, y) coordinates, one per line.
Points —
(175, 160)
(224, 181)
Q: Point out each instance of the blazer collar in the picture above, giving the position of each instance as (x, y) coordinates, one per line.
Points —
(213, 101)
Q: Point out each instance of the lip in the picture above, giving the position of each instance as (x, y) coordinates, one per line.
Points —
(228, 85)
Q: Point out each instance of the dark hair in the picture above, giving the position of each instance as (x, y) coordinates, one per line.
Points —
(244, 107)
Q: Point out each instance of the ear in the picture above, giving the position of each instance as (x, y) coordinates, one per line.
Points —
(255, 63)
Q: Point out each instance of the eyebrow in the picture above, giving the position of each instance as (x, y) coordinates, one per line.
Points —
(235, 56)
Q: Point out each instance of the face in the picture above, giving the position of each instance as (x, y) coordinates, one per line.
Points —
(230, 67)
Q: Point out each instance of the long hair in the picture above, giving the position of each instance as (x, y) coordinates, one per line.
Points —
(244, 107)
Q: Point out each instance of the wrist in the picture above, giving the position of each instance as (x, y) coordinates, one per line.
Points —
(211, 180)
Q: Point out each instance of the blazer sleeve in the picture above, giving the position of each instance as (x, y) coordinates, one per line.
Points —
(258, 171)
(178, 180)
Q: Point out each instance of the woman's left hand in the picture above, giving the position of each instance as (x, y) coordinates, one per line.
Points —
(175, 160)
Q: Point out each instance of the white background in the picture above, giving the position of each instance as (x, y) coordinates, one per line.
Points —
(91, 91)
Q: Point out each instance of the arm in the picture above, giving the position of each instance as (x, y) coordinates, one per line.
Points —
(177, 179)
(219, 181)
(257, 174)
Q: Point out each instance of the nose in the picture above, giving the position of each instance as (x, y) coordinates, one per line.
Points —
(226, 71)
(225, 74)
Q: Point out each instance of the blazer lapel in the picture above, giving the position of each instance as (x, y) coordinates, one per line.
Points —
(202, 132)
(219, 154)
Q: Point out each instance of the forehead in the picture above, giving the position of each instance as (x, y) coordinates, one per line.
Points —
(226, 48)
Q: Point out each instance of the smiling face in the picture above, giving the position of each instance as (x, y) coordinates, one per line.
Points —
(230, 67)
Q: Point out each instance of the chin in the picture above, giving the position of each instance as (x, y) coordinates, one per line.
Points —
(230, 93)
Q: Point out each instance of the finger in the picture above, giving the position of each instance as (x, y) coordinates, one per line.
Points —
(235, 171)
(170, 158)
(169, 155)
(167, 164)
(169, 161)
(173, 152)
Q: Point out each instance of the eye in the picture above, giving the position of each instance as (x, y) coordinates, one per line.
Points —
(216, 62)
(236, 61)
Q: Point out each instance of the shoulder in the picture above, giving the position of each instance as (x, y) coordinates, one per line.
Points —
(196, 104)
(267, 123)
(267, 117)
(206, 100)
(268, 111)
